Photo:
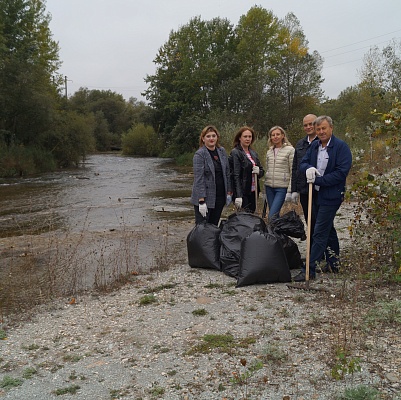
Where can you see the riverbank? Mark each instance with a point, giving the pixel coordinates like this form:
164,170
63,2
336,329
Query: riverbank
186,333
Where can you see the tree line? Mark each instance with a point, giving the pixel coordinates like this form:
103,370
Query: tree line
260,72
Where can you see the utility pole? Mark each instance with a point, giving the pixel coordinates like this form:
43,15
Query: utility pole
65,84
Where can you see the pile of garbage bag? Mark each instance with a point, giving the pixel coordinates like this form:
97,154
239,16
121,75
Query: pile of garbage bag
247,249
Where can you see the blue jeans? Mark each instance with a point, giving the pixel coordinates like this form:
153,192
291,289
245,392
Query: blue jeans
275,199
324,237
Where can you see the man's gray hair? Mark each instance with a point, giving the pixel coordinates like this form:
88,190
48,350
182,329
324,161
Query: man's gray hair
322,118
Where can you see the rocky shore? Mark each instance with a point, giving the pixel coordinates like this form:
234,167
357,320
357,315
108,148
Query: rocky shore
190,333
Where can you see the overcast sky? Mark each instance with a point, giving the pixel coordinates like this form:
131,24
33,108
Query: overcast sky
111,44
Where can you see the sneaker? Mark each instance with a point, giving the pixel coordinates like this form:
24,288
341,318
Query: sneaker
301,277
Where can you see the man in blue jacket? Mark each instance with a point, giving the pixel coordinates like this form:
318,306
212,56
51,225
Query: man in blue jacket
326,164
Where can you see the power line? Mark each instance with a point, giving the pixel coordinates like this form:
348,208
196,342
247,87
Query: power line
361,41
359,48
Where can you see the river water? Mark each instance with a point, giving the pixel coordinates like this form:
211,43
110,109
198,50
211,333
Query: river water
66,232
109,190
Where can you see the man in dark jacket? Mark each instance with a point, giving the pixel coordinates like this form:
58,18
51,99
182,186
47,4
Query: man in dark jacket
299,187
326,165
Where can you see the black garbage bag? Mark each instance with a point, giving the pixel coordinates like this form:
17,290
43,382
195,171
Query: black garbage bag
291,250
290,224
262,260
237,227
203,246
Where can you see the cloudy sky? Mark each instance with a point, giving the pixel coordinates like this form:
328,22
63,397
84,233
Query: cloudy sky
111,44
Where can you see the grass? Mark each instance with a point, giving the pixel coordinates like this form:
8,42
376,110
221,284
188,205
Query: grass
200,312
8,382
29,372
273,353
384,313
72,389
360,393
148,299
160,288
223,343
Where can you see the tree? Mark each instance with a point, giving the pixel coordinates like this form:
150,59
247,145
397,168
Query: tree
381,70
257,33
29,60
194,68
296,77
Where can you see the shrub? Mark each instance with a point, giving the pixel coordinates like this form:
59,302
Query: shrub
141,140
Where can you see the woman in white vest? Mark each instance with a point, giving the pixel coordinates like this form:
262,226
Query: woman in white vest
279,157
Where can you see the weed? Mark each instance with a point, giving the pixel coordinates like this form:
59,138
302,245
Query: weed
147,299
345,365
225,343
7,382
118,393
360,393
199,312
156,390
3,335
29,372
213,286
161,349
386,313
67,390
160,288
71,358
273,354
246,372
31,347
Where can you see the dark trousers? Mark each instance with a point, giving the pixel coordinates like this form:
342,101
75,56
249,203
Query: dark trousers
303,199
213,214
249,202
325,239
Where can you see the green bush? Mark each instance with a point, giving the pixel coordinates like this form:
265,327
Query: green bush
141,140
19,161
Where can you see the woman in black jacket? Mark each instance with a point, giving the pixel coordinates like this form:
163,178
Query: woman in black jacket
245,167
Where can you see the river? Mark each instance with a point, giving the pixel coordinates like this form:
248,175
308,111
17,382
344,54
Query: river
70,231
105,192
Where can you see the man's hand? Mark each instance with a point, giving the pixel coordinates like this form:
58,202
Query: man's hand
311,174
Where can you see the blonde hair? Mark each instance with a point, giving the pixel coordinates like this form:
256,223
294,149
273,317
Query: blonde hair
285,141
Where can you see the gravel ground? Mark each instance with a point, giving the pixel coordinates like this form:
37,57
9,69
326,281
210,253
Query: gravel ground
157,337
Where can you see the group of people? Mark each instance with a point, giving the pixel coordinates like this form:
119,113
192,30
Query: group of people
319,159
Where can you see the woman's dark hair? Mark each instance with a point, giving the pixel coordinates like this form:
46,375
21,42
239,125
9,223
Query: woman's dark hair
240,132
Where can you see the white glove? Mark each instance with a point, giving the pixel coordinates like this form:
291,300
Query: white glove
229,199
238,202
203,209
255,170
311,174
295,197
288,197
